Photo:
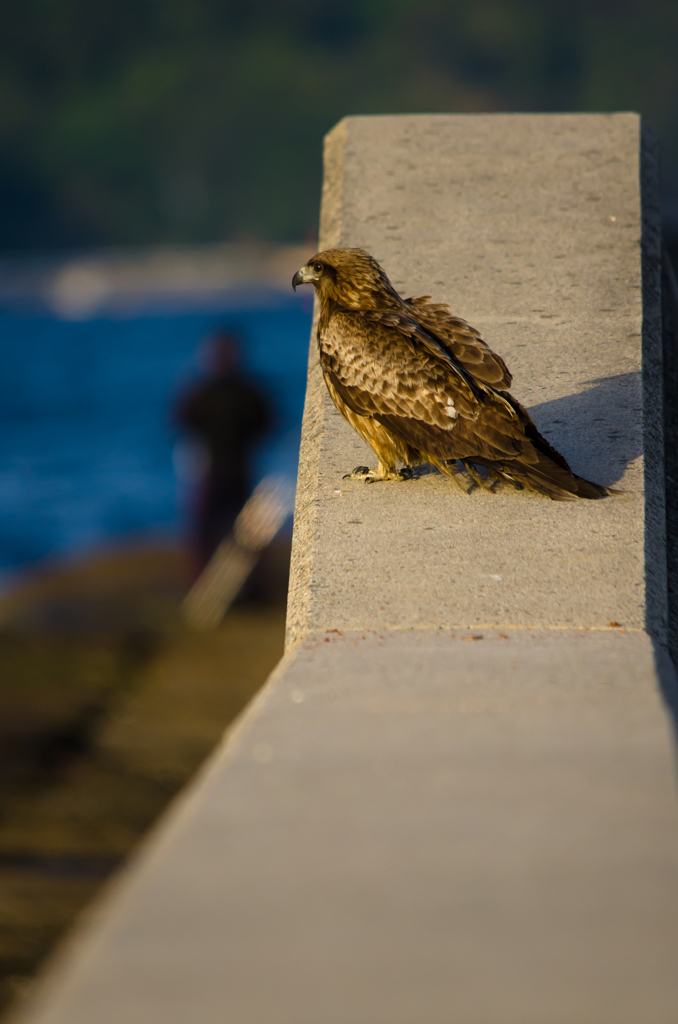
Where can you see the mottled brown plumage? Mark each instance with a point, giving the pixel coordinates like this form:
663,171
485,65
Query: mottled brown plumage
420,385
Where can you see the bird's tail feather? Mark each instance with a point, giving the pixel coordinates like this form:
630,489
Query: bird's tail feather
551,480
542,468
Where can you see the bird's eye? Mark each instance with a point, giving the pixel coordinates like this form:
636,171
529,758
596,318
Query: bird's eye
318,267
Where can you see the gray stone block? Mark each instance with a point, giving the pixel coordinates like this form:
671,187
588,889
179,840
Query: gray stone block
530,227
422,827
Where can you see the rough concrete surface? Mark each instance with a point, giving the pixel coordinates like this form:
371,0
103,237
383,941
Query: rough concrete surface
454,801
403,831
529,226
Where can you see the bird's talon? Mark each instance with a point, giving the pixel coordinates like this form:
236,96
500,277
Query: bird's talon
360,473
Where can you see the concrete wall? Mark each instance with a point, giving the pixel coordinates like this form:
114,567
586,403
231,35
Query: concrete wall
455,798
529,226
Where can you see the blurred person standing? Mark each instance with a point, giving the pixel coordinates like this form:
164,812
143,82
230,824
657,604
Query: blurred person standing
226,413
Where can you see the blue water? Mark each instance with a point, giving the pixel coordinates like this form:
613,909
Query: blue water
86,438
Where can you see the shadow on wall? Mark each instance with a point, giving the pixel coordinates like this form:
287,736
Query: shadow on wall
599,431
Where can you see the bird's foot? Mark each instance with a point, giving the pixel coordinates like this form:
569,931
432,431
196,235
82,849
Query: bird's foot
360,473
374,476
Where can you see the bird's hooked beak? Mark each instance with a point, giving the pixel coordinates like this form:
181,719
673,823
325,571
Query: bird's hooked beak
306,275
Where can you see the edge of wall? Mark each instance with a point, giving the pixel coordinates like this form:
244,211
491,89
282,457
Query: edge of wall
314,419
656,569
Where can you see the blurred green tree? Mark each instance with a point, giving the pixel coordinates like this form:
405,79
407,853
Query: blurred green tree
135,121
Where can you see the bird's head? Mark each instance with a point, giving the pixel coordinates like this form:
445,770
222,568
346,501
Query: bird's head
349,277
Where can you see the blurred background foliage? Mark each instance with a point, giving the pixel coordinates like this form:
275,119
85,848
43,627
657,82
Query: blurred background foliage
146,121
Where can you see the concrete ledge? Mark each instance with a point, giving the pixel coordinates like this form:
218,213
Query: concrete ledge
411,829
455,798
530,226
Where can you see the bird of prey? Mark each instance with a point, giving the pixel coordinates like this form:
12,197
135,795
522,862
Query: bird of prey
421,386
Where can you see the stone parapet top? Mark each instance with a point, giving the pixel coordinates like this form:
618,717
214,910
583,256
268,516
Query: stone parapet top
530,227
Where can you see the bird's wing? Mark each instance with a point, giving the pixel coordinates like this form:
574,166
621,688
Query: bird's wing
383,364
464,341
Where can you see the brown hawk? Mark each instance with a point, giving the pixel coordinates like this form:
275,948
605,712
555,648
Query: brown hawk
421,386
